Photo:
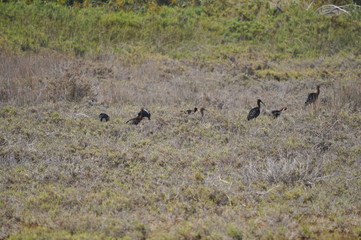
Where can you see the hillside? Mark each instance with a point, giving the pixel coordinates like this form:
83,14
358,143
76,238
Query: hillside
66,175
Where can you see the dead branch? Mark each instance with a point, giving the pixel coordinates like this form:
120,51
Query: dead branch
333,9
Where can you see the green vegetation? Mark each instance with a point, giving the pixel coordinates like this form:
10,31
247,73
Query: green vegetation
66,175
192,32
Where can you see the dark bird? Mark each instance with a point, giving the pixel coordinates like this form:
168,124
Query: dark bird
312,97
255,111
189,111
104,116
277,113
135,121
142,114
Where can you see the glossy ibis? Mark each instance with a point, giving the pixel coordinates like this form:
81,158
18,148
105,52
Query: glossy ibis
135,121
142,114
189,111
312,97
104,116
277,113
254,113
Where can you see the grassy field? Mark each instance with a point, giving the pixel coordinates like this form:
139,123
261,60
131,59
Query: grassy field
66,175
203,33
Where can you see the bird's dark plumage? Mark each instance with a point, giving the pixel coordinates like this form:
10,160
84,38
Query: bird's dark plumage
254,113
134,121
277,113
189,111
142,114
104,116
312,97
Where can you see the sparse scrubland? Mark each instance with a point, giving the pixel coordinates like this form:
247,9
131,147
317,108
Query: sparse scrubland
66,175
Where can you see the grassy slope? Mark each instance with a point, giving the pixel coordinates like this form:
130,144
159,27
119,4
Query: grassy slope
201,33
65,175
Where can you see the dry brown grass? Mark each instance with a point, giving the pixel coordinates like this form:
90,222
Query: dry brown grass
66,175
34,79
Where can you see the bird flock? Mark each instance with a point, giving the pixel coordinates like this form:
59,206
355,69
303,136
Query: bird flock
253,113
